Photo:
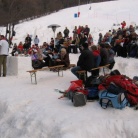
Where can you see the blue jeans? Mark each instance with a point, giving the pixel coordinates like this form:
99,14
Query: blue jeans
75,69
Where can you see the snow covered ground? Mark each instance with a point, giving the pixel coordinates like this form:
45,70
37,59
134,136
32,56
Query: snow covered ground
34,111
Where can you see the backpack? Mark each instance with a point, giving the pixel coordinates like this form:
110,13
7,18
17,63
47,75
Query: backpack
92,81
78,99
76,93
92,93
113,95
118,101
91,85
124,82
115,72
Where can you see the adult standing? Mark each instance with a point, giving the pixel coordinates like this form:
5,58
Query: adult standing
66,32
4,49
86,30
28,40
85,61
36,40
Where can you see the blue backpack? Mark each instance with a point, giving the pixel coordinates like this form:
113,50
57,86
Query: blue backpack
92,93
113,96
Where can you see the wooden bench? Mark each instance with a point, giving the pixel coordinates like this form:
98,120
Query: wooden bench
58,68
84,72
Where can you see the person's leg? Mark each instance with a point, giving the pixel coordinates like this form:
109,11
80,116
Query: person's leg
75,69
95,73
4,66
111,65
1,61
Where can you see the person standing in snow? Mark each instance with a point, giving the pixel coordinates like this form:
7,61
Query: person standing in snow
28,40
123,24
66,32
4,49
36,40
86,30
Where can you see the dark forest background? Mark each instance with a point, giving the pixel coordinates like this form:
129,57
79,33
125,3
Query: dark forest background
13,11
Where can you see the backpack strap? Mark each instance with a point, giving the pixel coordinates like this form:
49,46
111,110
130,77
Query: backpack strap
104,103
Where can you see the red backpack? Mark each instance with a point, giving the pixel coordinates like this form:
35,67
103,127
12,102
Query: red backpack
125,83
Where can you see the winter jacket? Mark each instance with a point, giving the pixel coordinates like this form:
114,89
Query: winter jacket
97,58
86,60
36,40
4,47
65,60
104,56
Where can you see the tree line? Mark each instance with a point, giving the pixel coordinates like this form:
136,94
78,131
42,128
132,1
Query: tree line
13,11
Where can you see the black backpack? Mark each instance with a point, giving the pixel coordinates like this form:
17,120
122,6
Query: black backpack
115,72
92,81
91,85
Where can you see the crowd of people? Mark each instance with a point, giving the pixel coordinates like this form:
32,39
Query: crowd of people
121,42
124,40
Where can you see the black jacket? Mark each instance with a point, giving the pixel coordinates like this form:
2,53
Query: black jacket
104,57
86,60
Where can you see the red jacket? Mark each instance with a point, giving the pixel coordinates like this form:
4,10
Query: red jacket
96,53
123,24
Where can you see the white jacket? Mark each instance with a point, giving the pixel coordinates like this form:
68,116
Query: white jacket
4,47
36,40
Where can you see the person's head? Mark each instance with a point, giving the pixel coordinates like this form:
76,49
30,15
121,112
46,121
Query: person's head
94,47
86,26
1,37
120,36
44,44
107,45
63,51
20,43
100,34
15,45
84,46
101,45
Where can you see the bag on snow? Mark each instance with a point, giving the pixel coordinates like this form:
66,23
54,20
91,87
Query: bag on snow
125,83
77,93
118,101
79,99
91,85
92,82
92,93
